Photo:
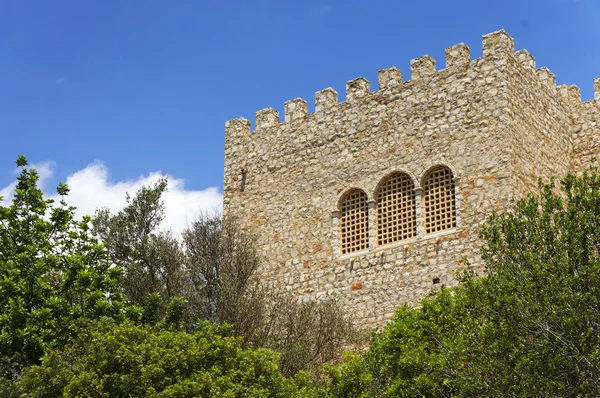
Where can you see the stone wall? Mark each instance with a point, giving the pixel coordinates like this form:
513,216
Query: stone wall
496,121
586,130
539,124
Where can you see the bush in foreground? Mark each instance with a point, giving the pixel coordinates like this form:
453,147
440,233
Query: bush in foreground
531,327
123,360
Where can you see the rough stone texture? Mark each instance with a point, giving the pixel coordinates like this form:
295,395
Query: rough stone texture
585,128
266,118
496,121
422,67
389,77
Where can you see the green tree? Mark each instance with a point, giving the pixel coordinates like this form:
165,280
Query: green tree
152,261
543,294
212,275
307,334
54,275
132,360
423,352
531,327
222,261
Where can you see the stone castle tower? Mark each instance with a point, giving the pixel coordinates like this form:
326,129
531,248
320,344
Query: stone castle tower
379,199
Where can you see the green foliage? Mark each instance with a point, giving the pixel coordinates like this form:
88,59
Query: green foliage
221,259
214,271
421,353
307,334
529,328
54,275
176,313
152,262
543,294
348,380
113,360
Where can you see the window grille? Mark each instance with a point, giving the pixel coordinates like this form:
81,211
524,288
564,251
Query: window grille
396,210
439,200
354,222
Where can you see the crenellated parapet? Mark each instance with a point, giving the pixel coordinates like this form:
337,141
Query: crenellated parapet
498,47
458,56
266,118
526,59
325,99
547,78
357,89
295,109
389,78
498,43
422,67
571,94
237,128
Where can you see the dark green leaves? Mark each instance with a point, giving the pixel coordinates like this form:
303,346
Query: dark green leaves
529,328
130,360
54,276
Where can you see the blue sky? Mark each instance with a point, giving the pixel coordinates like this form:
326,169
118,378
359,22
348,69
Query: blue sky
127,89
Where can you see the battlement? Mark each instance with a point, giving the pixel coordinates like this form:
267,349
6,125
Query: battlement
497,47
376,198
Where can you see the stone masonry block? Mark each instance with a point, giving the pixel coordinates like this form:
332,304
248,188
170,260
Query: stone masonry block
237,127
357,88
266,118
295,109
569,93
525,59
597,89
498,42
325,99
390,77
458,56
422,67
574,93
547,77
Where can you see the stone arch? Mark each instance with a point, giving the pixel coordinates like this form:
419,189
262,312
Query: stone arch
395,208
353,221
439,199
340,196
439,164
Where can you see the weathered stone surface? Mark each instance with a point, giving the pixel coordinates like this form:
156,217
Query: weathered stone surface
390,77
266,118
325,99
357,89
458,56
496,121
422,67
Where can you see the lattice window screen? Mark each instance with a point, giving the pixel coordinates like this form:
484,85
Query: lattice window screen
440,200
354,222
396,210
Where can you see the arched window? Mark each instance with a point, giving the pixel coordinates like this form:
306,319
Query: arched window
354,222
439,200
396,210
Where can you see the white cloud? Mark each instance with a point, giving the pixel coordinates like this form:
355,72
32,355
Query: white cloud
6,194
44,170
91,188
